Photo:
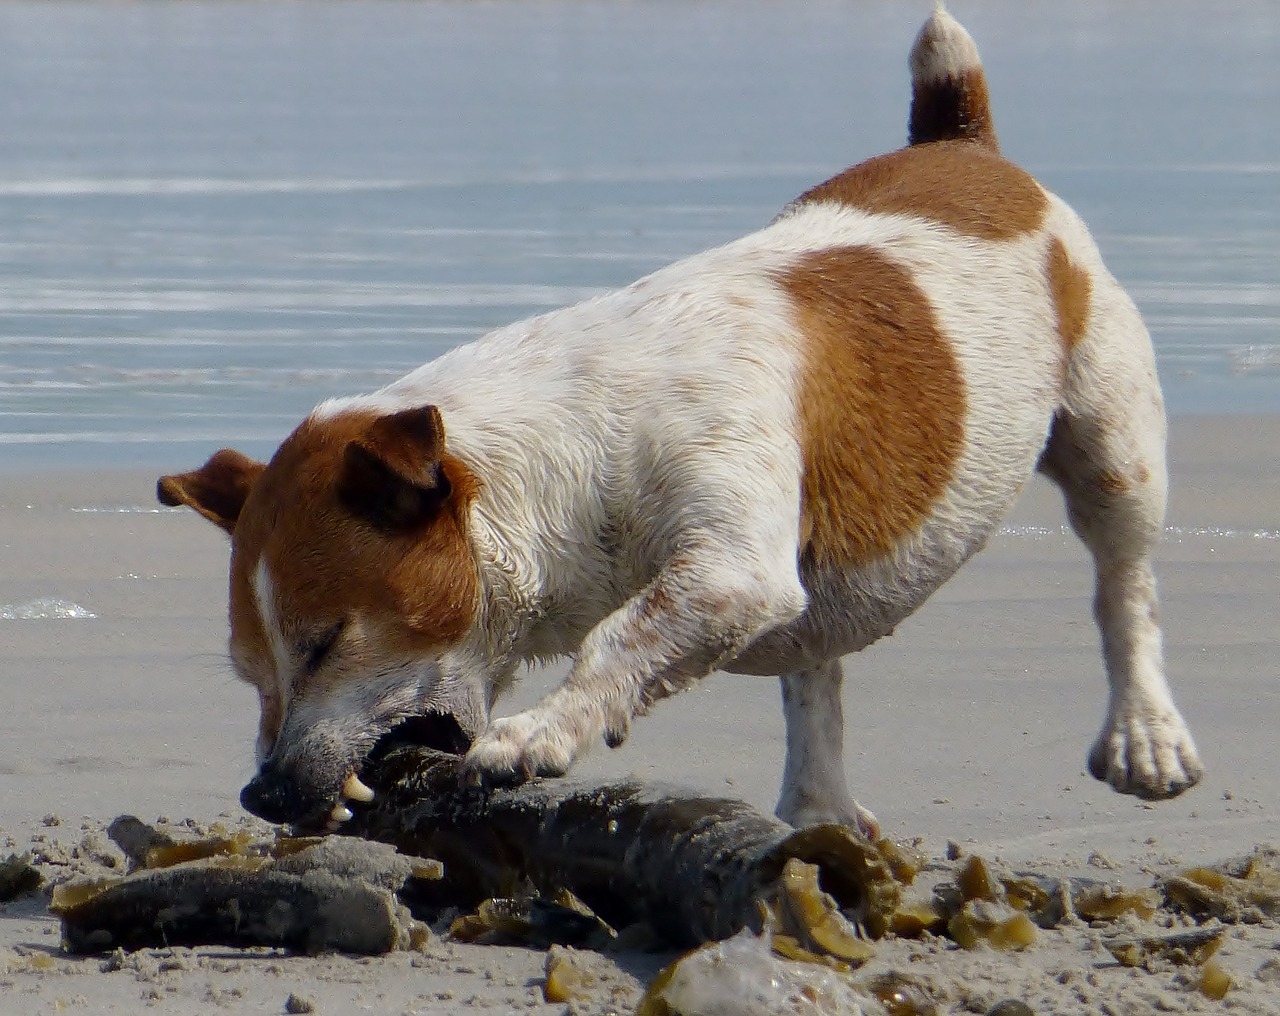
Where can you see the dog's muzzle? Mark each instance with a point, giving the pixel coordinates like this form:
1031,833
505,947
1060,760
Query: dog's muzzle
277,797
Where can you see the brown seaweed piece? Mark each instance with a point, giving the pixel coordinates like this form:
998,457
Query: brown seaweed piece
1104,902
566,977
814,917
993,924
915,917
1044,899
1214,982
1246,890
531,920
17,877
1181,948
137,839
905,860
976,881
690,867
790,948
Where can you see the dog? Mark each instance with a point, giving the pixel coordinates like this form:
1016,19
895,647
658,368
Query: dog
758,459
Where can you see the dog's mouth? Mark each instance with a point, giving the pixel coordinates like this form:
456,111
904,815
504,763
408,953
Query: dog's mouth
437,730
280,797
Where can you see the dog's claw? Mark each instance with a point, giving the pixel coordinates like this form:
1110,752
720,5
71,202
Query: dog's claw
1153,759
616,737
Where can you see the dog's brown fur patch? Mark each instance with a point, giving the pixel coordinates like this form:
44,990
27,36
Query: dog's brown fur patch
1071,290
963,186
881,404
417,588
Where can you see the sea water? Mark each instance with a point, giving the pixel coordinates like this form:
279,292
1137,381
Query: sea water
214,215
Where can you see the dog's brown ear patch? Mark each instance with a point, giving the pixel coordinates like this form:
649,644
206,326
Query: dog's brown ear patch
217,490
392,476
881,404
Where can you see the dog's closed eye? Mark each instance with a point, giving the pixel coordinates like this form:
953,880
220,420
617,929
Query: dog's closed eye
314,651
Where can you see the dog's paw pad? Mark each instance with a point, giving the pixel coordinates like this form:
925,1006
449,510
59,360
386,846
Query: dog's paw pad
518,748
1154,759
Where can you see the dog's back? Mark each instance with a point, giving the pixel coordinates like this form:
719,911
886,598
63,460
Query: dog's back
870,379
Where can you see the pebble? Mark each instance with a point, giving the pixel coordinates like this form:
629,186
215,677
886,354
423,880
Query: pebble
1011,1007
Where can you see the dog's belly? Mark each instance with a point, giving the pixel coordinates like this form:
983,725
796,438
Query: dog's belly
851,608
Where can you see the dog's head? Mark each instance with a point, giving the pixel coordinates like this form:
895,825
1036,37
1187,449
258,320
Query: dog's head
352,579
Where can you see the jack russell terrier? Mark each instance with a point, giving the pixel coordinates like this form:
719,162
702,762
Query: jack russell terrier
758,459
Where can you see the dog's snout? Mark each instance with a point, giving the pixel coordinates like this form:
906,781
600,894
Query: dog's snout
271,796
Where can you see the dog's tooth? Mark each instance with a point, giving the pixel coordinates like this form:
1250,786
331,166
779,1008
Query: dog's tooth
356,790
340,813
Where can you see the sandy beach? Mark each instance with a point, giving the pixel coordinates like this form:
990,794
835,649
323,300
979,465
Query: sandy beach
969,726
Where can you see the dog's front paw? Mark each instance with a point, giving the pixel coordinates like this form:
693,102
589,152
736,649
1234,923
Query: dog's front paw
1151,757
517,748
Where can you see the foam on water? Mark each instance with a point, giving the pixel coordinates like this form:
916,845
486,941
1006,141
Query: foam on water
44,608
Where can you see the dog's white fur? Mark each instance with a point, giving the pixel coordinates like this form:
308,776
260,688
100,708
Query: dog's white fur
639,465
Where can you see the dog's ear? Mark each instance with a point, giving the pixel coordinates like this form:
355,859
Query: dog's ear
217,490
392,476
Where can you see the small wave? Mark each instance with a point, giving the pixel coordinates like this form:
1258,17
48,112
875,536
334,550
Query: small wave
93,375
1254,359
213,186
126,509
304,297
1176,532
130,186
44,608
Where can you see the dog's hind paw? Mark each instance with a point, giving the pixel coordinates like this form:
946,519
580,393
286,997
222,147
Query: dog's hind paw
517,748
803,809
1153,758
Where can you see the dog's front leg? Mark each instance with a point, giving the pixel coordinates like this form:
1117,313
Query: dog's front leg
677,630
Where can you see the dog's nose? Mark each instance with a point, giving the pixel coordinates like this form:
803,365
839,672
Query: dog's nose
271,796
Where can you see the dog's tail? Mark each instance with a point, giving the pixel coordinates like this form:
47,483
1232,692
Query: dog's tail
949,100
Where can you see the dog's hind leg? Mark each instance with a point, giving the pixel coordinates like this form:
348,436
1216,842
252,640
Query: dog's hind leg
814,790
1106,450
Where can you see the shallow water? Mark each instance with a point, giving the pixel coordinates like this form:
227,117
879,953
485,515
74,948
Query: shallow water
213,216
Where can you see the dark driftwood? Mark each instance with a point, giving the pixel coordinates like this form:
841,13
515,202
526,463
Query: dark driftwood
692,867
